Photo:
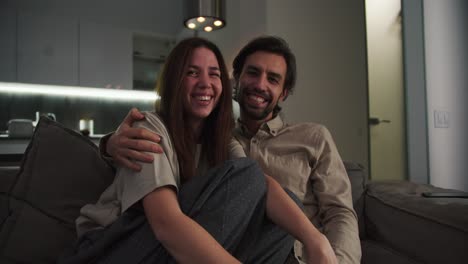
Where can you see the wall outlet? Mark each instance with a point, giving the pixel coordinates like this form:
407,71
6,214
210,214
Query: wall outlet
441,119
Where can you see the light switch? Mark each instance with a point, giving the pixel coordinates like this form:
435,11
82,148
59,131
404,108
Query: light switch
441,119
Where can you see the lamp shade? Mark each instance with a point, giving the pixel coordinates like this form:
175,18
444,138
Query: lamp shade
206,15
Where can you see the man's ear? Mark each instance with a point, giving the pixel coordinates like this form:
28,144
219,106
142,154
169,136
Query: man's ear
235,89
284,95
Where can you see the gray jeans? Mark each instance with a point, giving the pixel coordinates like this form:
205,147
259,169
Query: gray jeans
228,201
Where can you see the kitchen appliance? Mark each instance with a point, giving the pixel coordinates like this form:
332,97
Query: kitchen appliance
20,128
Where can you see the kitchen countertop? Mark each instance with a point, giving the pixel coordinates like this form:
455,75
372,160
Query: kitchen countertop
15,146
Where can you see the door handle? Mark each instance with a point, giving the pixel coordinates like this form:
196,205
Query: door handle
375,121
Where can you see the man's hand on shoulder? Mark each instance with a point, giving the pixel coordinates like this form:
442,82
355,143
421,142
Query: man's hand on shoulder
128,144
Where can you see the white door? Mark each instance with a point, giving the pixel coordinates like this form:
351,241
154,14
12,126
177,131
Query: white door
386,92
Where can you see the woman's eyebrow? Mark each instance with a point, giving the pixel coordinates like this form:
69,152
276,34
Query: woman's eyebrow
215,68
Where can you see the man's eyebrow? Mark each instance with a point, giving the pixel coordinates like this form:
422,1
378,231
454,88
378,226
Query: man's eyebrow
252,67
269,73
275,75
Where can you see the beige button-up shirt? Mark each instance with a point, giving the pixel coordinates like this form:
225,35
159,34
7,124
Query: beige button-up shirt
303,158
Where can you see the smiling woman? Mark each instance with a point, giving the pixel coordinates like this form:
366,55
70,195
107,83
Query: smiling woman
162,205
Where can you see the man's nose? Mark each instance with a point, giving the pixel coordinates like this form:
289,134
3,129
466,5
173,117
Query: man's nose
261,82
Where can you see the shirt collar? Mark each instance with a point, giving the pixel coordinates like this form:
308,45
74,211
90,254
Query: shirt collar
272,126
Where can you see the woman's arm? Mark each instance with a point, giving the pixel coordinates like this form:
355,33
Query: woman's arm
284,212
182,237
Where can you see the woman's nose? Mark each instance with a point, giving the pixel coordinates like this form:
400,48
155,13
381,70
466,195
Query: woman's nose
204,80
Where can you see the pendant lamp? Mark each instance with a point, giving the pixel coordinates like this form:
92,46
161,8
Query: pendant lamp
206,15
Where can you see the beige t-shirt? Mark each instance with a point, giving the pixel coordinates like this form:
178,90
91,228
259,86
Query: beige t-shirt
129,186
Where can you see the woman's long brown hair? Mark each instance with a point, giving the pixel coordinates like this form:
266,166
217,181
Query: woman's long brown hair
216,132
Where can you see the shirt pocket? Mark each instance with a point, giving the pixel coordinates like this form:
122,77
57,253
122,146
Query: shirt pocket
291,170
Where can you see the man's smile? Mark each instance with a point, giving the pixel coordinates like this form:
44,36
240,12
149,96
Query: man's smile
257,99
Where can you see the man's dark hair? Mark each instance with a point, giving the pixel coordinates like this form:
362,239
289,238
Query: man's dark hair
270,44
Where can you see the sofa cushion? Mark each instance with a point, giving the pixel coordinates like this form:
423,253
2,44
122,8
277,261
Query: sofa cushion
376,253
61,171
7,177
429,230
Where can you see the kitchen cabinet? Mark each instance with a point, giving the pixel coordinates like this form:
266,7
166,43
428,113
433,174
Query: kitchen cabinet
8,45
105,56
149,55
47,49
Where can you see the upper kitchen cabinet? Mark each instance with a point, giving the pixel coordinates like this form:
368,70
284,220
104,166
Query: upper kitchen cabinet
47,49
149,55
105,54
7,45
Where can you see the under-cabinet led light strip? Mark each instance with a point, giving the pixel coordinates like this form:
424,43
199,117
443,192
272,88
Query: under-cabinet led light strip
75,91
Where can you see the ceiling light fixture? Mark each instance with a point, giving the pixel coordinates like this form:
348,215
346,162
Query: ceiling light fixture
207,15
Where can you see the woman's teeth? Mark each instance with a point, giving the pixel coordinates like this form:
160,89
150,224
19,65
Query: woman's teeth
203,98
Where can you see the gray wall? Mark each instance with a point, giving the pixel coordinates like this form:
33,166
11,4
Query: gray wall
328,38
415,89
446,42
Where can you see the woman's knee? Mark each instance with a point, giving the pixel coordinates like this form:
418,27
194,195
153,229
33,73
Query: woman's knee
247,172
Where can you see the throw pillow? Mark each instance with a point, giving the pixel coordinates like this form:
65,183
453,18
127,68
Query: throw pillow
61,171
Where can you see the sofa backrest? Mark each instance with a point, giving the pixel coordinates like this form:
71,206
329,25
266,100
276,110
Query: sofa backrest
61,171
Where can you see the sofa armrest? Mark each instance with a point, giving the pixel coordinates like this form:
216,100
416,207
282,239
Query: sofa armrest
429,230
357,178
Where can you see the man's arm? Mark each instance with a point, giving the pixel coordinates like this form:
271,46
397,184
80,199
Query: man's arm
332,188
285,213
128,144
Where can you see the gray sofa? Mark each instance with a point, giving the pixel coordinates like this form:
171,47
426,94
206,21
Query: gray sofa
398,225
61,171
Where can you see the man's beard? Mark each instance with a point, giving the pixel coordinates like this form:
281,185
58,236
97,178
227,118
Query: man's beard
253,113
